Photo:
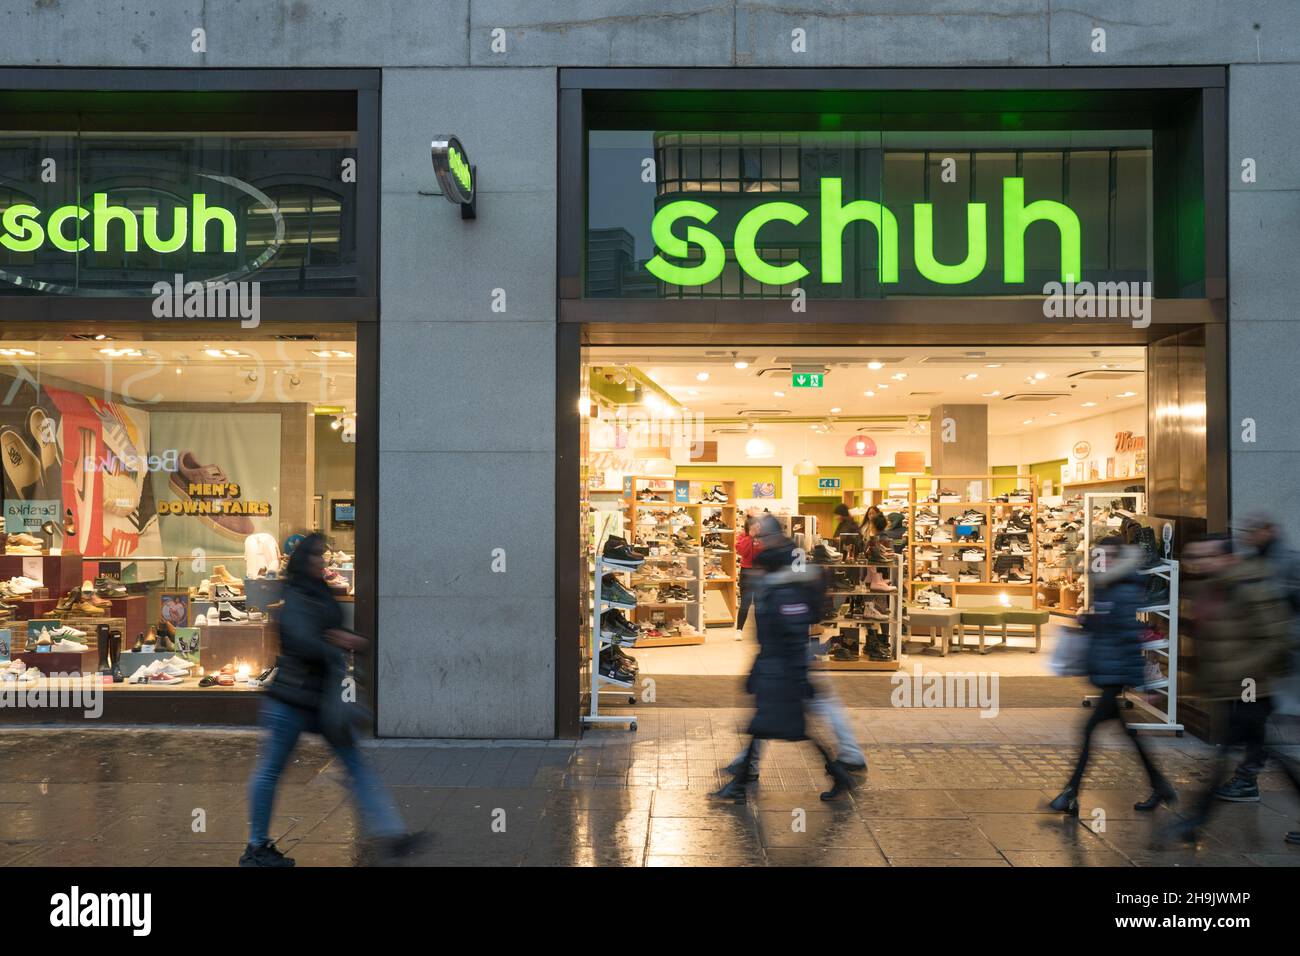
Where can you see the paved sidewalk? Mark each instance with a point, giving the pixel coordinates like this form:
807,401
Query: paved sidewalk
945,787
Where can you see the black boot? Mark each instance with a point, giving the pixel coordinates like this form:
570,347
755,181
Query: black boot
115,656
1067,801
842,780
105,652
1163,793
735,790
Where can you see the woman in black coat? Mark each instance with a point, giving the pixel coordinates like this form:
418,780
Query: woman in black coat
307,695
1115,661
788,603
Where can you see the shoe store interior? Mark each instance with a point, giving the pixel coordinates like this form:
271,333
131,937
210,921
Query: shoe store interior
949,495
152,491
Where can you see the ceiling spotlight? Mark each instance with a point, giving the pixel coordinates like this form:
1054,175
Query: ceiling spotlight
178,370
993,394
836,410
631,384
1052,414
869,394
251,377
969,376
882,386
1039,376
742,365
993,365
1126,394
1027,421
875,366
1088,405
336,424
898,376
778,394
702,377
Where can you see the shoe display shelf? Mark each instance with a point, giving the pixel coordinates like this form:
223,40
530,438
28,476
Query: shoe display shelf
1103,515
688,496
254,645
1060,523
691,611
892,572
972,493
600,684
30,607
1158,698
88,624
59,573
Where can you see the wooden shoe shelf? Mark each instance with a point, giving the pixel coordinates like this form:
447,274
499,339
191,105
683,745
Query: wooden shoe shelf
975,492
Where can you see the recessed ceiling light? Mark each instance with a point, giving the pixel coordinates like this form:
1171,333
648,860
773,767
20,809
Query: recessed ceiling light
1088,405
882,386
836,410
742,365
779,394
1040,375
869,394
993,394
1126,394
993,365
1052,414
898,376
874,366
1027,421
969,376
702,377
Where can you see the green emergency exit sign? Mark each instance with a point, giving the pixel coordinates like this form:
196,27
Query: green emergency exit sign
806,380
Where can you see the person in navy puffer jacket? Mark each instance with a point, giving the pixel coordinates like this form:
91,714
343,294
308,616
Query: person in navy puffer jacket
1115,661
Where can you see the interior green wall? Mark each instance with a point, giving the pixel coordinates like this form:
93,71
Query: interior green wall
743,475
850,476
1049,469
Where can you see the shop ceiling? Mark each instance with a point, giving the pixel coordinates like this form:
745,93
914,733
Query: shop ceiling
1043,387
313,371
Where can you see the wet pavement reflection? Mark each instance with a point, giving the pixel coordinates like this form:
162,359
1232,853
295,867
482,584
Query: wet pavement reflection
943,789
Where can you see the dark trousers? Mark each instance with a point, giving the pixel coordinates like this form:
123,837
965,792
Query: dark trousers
1107,708
748,583
749,760
1247,723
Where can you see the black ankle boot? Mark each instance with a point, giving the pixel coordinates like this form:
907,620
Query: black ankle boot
735,790
842,780
1163,793
1067,801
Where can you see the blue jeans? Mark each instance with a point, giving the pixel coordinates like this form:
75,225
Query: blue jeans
284,723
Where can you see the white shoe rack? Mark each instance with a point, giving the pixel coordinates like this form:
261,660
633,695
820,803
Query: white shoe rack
1164,651
601,684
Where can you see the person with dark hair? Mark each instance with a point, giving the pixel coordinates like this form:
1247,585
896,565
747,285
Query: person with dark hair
1114,662
748,573
1241,622
788,603
846,524
307,695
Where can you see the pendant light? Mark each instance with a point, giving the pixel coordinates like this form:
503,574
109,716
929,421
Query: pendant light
807,466
759,448
860,446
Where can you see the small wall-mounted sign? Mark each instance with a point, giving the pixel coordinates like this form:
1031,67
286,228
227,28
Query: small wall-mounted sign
457,177
831,483
1082,449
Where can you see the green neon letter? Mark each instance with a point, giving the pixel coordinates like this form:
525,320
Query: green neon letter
55,226
976,246
661,229
835,217
203,215
1017,217
747,234
179,215
22,232
104,214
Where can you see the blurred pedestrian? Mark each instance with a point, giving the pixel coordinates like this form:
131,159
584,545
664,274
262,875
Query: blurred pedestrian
787,605
1241,625
1115,661
306,695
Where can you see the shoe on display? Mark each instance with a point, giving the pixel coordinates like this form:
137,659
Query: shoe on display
65,632
941,536
140,676
948,497
927,516
929,554
69,647
941,577
24,540
826,553
971,516
618,552
228,612
30,674
874,613
972,554
968,577
614,593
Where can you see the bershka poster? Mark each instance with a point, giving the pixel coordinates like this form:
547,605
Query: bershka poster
226,481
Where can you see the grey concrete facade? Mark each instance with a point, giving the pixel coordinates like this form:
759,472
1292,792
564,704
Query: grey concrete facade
467,394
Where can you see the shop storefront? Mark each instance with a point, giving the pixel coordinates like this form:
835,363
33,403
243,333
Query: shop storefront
988,305
188,269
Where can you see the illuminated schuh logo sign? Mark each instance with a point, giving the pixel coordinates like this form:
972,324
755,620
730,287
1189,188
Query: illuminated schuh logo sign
456,175
836,216
74,228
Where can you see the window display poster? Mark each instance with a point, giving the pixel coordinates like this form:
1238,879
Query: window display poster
226,481
764,489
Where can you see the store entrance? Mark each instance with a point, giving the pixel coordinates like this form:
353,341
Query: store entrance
929,483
